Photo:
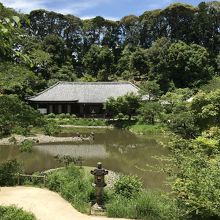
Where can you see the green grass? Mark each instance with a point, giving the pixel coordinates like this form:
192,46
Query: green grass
75,185
13,213
145,205
144,129
212,85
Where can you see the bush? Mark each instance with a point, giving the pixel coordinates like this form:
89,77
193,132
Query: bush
73,186
26,146
151,205
8,171
51,128
144,205
51,115
13,213
128,186
21,130
62,115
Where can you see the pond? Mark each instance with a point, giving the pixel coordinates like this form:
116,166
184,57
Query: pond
118,150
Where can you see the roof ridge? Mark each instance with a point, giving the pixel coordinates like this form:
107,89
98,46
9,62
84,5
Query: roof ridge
123,82
45,90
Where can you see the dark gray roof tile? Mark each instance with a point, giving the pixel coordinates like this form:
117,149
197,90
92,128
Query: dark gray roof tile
84,92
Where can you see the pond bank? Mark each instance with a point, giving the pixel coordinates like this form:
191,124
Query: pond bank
85,126
42,139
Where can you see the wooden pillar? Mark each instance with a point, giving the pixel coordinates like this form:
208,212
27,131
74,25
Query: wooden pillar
59,109
69,108
81,109
50,108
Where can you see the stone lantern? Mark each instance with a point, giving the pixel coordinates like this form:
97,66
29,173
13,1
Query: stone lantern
99,183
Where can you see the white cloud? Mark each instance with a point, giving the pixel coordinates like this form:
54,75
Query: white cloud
61,6
25,5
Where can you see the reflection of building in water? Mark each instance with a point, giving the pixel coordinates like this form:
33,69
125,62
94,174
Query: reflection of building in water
84,150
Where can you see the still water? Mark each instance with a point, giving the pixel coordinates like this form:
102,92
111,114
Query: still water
118,150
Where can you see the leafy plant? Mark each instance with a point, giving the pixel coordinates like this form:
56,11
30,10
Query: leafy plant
11,212
128,186
26,146
8,170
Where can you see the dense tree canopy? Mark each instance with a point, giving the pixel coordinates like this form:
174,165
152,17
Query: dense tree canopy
177,46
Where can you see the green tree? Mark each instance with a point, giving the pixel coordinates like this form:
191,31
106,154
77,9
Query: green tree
55,46
195,173
157,58
139,62
206,108
206,26
150,112
16,114
9,24
177,114
17,79
188,65
127,105
150,89
130,30
99,62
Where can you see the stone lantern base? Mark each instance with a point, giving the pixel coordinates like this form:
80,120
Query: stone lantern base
97,209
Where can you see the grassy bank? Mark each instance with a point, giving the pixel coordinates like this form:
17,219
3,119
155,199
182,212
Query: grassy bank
13,213
144,129
126,199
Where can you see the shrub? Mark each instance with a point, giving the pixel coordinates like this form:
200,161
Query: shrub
145,205
151,205
68,115
51,128
21,130
73,186
8,171
51,115
26,146
127,186
13,213
62,115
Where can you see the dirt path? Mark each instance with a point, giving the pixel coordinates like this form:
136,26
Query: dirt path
44,204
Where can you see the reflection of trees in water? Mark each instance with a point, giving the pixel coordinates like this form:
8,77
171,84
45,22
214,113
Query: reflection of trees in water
116,136
126,159
119,150
31,162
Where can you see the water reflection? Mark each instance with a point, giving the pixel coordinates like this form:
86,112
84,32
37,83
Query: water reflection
119,150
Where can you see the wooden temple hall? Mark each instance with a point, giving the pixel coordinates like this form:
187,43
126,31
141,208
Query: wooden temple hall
79,98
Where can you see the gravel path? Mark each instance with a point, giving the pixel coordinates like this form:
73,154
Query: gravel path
44,204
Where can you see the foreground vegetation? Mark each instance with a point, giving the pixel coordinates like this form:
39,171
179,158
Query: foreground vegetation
11,212
170,64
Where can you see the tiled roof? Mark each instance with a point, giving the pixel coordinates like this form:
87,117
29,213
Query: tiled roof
84,92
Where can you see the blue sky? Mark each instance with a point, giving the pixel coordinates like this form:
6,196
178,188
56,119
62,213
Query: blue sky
111,9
